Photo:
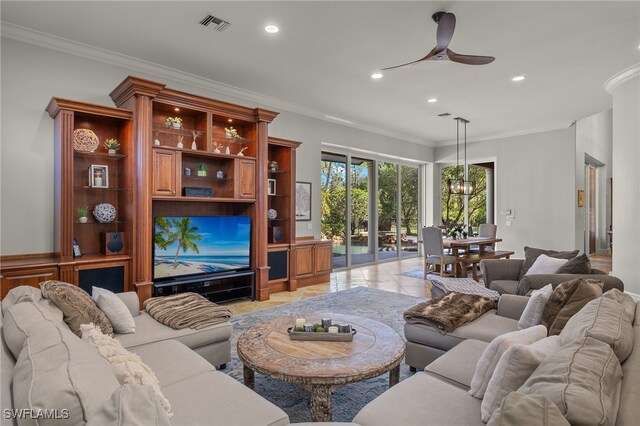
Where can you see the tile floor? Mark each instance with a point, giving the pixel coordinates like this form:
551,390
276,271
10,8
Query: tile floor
384,276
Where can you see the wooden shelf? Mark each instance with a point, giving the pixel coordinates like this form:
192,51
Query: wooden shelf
204,199
97,154
98,258
201,153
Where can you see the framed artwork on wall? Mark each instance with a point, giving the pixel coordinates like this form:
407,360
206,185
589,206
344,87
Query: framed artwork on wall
303,201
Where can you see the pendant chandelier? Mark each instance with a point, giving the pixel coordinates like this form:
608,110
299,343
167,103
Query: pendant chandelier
461,185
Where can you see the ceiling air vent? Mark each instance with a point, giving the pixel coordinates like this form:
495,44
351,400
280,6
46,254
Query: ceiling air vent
444,115
220,24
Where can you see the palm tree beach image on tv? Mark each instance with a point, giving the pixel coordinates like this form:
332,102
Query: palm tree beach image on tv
200,245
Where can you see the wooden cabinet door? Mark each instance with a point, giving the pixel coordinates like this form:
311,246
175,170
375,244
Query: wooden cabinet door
164,172
246,178
32,277
323,258
304,261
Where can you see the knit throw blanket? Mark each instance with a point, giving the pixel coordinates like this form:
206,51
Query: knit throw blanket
186,310
448,312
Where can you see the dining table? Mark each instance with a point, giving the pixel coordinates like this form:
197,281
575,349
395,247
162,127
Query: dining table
463,244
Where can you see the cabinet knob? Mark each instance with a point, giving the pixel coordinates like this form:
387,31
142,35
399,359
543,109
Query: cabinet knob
76,270
173,192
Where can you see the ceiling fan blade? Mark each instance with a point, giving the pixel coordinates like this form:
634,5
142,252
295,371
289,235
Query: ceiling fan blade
469,59
429,55
446,26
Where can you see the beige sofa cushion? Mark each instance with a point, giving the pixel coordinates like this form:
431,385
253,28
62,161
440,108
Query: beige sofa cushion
77,306
23,293
567,299
128,366
513,370
489,359
629,412
215,398
56,369
149,330
605,320
131,404
527,410
25,316
458,365
583,379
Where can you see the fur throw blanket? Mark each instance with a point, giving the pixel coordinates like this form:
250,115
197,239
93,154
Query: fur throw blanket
186,310
448,312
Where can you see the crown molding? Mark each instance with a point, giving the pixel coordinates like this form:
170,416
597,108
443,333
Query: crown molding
621,77
83,50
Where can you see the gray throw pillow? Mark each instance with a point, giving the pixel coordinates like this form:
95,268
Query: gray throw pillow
531,254
577,265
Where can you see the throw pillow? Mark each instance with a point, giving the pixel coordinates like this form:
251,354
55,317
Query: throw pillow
567,299
535,306
527,410
491,355
531,254
76,305
115,309
545,265
130,369
603,319
512,371
583,379
131,405
578,265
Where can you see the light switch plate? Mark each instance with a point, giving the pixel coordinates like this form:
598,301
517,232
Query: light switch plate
506,212
508,223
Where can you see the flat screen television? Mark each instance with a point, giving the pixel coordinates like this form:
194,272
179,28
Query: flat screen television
191,245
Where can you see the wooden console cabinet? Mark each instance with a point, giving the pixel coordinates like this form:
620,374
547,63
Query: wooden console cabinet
312,261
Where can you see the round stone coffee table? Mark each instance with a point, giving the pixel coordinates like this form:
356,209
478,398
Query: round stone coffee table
321,366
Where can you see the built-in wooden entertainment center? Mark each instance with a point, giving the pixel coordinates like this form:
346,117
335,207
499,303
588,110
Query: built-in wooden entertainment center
196,169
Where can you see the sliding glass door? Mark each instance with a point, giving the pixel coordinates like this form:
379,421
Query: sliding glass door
371,213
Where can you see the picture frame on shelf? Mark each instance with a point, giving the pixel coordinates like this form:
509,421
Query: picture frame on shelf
98,176
303,201
271,187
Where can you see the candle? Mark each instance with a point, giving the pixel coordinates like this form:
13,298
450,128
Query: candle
333,329
300,322
326,323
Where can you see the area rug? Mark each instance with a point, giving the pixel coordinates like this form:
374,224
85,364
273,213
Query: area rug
380,305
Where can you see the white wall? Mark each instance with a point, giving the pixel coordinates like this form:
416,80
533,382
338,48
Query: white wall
593,141
534,177
31,76
626,181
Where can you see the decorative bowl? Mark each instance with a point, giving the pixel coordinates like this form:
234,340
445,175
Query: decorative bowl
104,213
272,214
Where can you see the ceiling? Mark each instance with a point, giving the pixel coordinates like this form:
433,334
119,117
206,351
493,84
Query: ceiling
325,52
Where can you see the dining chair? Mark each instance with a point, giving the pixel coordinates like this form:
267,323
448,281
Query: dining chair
486,230
434,254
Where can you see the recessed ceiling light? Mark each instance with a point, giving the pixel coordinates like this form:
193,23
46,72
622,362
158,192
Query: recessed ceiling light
518,78
376,75
271,29
432,100
230,121
176,109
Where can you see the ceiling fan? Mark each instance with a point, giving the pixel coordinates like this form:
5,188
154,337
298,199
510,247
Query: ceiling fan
446,25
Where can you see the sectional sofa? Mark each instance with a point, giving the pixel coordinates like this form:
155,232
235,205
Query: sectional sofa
439,395
46,366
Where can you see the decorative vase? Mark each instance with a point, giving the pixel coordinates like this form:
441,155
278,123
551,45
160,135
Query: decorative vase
112,152
156,142
228,135
104,213
272,214
180,145
227,150
176,126
273,169
219,174
82,219
194,146
216,151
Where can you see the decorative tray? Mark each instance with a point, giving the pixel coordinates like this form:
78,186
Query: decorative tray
321,336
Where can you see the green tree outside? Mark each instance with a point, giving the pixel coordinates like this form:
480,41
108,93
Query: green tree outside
180,230
453,204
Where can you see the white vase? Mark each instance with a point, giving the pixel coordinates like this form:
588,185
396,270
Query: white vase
180,145
194,145
156,142
227,150
228,135
82,219
112,152
176,125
